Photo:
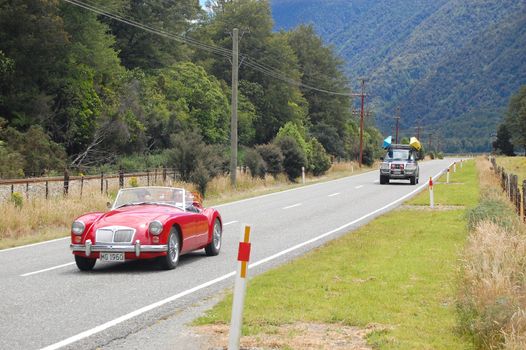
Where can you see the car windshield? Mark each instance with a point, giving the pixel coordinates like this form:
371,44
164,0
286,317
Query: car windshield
176,197
398,154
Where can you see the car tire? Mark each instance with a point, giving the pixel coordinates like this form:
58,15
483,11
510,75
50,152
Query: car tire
214,247
384,180
413,180
85,264
171,259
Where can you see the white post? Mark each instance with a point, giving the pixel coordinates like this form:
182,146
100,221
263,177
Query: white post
431,195
455,167
461,163
352,168
239,290
303,175
447,176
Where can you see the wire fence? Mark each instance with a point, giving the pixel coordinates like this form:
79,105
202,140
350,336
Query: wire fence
66,185
510,184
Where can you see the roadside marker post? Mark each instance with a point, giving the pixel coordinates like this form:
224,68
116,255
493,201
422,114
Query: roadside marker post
461,163
243,256
303,175
447,176
455,167
431,195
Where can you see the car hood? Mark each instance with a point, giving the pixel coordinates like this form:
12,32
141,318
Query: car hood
136,216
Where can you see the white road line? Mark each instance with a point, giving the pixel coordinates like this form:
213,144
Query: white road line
229,223
291,206
334,194
48,269
34,244
144,309
357,187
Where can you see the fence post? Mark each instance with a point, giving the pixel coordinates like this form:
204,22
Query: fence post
155,176
147,177
12,188
27,190
121,178
81,184
47,189
66,182
106,187
524,200
101,182
164,175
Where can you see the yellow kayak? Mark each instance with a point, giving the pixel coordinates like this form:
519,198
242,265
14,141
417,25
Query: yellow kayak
413,142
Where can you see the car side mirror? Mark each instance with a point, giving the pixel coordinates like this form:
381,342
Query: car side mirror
381,158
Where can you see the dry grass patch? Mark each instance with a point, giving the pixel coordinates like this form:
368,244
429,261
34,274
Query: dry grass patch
298,336
492,297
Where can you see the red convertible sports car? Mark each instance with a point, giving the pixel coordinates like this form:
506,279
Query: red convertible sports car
146,223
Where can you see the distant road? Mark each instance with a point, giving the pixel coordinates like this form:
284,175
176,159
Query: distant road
47,302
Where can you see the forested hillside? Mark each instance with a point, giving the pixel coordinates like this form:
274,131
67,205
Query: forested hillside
87,84
452,64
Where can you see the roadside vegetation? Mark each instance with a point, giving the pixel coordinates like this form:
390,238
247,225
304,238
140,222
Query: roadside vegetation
492,296
394,279
514,165
37,219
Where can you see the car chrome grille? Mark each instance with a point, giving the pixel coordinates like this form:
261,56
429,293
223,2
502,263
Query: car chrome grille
116,234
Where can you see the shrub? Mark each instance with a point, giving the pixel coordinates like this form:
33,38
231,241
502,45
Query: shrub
319,161
293,157
493,210
17,199
133,182
272,157
255,163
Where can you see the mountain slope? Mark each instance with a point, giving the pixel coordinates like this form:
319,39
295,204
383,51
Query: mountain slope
437,60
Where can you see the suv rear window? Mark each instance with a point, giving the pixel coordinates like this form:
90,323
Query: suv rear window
398,154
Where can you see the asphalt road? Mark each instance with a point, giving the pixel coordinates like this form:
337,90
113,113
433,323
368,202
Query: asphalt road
47,303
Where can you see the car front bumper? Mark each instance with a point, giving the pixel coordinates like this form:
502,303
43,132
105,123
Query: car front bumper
136,248
406,174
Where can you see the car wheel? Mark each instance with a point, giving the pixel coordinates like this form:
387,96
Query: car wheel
84,264
170,260
384,180
213,247
413,180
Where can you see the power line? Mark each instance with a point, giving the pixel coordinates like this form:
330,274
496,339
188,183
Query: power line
248,61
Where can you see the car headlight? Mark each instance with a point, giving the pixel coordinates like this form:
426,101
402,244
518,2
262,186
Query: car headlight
78,227
155,228
410,166
384,166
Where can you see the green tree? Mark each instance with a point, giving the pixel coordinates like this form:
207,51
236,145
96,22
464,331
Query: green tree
293,157
141,49
516,118
319,161
205,107
502,144
321,67
272,157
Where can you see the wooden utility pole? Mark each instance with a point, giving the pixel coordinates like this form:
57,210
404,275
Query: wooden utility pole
397,117
362,115
233,121
430,140
418,127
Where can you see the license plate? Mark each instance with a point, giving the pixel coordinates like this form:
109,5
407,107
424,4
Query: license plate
111,256
397,172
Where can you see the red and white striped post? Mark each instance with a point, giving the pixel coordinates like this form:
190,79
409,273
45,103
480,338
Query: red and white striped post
447,175
431,195
243,256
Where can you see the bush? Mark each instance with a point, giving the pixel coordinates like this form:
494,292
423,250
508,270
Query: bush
195,161
493,210
255,163
319,161
440,155
293,157
133,182
16,199
272,157
431,155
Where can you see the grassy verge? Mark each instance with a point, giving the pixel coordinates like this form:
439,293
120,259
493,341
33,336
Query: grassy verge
514,165
398,271
37,219
492,297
